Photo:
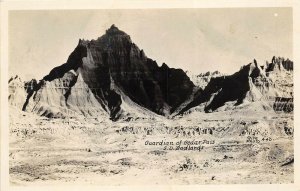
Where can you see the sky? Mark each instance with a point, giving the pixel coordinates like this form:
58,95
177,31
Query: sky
197,40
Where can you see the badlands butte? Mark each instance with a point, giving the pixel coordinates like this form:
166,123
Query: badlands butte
91,119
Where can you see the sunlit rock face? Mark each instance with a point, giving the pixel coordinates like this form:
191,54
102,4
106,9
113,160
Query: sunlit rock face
112,77
108,68
271,83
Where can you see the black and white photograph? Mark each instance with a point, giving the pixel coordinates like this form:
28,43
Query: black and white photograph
160,96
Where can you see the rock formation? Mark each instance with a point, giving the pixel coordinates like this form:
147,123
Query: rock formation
110,68
201,80
112,77
272,83
16,92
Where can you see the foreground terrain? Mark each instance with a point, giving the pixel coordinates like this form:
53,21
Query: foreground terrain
225,147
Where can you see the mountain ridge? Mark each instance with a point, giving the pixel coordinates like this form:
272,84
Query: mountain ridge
111,72
114,59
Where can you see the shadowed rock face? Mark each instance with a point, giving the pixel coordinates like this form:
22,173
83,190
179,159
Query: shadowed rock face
74,62
113,66
223,89
113,60
101,74
252,83
279,63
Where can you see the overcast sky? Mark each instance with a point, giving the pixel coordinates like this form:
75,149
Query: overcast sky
198,40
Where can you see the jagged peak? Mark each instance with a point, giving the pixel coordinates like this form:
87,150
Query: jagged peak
279,63
113,27
110,32
113,33
164,65
14,78
216,72
250,66
113,30
252,70
277,59
83,42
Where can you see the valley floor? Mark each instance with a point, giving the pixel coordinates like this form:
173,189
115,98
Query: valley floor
228,148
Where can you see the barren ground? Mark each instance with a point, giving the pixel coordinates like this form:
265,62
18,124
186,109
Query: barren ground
235,149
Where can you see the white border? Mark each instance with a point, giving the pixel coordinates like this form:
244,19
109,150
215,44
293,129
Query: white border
143,4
